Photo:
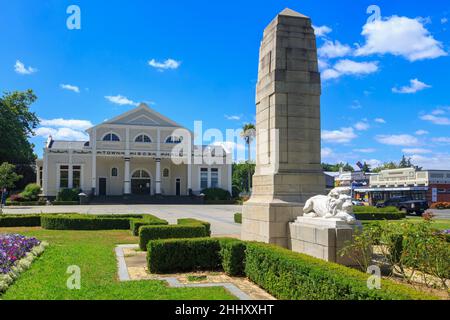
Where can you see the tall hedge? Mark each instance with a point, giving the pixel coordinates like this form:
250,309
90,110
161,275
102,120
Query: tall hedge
232,254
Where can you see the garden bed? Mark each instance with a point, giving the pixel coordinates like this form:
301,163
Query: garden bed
17,252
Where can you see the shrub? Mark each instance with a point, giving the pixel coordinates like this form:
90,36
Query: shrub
147,233
146,220
65,203
31,192
84,222
180,255
232,254
369,209
26,203
289,275
68,195
235,191
216,194
26,220
380,216
238,217
440,205
190,221
16,198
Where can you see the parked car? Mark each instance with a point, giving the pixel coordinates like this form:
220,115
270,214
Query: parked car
358,203
405,204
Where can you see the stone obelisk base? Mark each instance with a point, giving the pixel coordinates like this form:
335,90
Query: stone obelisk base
269,221
322,238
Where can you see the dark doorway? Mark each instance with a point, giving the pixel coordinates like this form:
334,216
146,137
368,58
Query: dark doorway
140,186
178,187
102,186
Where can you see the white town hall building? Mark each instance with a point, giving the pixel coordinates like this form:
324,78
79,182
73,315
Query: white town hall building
139,152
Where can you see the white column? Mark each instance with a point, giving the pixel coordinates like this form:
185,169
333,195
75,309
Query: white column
94,162
70,169
127,181
158,176
230,178
45,173
189,177
38,182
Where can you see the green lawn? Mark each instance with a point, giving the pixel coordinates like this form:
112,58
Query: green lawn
439,224
93,252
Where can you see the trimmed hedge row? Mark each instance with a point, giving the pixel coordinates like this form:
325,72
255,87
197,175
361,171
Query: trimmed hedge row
179,255
289,275
371,209
25,203
97,222
281,272
380,216
238,217
84,222
191,221
136,223
25,220
147,233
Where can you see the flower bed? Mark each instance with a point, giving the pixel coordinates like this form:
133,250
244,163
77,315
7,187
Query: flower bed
17,252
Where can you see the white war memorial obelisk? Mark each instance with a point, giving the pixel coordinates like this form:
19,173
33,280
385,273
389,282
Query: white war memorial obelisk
288,160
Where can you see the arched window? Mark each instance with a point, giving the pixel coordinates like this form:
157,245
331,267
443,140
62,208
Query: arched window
111,137
139,174
174,139
114,172
143,138
166,172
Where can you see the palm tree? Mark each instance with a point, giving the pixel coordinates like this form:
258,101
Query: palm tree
248,134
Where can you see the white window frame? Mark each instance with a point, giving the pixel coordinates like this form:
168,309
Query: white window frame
109,141
143,134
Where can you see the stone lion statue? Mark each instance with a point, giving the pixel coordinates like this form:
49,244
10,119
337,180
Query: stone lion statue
337,204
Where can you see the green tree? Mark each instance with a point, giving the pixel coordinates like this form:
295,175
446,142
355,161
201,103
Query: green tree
16,126
336,167
8,177
241,173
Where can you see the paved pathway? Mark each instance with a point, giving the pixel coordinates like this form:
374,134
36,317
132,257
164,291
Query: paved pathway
221,217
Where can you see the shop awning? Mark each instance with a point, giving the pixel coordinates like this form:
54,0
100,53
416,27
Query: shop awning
391,189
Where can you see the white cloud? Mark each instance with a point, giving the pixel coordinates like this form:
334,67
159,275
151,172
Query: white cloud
356,104
329,74
20,68
444,20
349,67
326,152
367,150
443,121
70,87
439,161
344,135
441,140
414,86
121,100
322,30
373,163
62,134
362,126
334,49
233,117
400,36
380,120
67,123
421,132
398,140
165,65
323,64
416,151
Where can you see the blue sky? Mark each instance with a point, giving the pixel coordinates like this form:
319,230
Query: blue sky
385,83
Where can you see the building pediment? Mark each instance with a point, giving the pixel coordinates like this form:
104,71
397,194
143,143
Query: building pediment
142,116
